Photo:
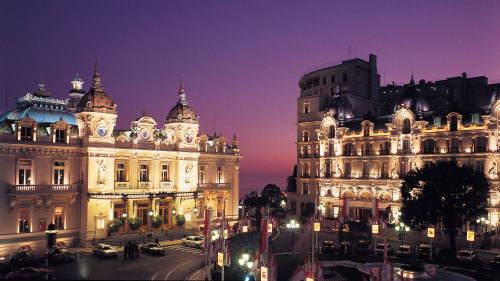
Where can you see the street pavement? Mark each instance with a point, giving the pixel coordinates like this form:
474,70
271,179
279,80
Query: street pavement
178,263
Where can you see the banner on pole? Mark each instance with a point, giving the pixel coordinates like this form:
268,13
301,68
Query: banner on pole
220,259
470,235
317,226
430,232
269,228
375,228
263,273
245,229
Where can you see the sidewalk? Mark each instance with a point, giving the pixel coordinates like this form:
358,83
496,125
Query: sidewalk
120,249
197,275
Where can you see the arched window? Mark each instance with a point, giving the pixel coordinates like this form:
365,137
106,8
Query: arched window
385,197
406,126
331,133
348,194
329,192
453,123
366,130
365,196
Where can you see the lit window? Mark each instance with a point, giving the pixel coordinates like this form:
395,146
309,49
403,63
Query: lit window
475,118
305,190
59,217
306,107
120,172
100,223
437,121
26,133
60,136
406,126
219,174
144,173
58,172
202,174
165,177
24,172
24,220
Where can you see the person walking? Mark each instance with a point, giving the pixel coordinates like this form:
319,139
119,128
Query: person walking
130,250
136,248
125,251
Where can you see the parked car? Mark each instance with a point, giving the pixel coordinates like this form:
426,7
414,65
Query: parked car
467,256
153,249
23,257
424,251
363,248
495,263
31,273
193,241
404,251
105,251
60,255
379,250
327,247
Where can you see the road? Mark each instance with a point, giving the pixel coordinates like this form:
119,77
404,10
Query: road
283,243
177,264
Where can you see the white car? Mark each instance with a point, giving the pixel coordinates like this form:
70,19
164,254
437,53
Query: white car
193,241
105,251
467,255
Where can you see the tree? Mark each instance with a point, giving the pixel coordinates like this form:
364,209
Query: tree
444,192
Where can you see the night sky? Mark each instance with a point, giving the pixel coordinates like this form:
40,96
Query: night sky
241,60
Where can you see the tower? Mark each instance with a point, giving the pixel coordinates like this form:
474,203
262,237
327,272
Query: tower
75,94
96,113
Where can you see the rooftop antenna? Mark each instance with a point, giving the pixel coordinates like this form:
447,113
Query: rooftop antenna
215,134
349,51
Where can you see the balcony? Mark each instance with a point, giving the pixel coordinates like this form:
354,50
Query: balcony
122,185
145,184
168,185
429,151
214,186
480,149
40,189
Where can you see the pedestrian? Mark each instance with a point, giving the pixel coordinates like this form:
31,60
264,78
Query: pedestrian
157,241
136,246
130,250
125,250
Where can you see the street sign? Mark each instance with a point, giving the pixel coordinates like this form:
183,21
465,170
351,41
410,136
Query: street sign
375,228
269,228
263,273
430,232
220,259
245,229
225,233
317,226
470,235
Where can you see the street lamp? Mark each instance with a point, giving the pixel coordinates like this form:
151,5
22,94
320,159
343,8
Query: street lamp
402,228
173,211
292,225
195,210
244,261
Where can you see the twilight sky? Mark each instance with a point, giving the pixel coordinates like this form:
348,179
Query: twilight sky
241,60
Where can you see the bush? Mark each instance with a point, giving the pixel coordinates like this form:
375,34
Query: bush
156,221
180,220
114,224
134,223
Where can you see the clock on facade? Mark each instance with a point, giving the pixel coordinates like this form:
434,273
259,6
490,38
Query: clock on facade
102,130
171,136
144,134
188,137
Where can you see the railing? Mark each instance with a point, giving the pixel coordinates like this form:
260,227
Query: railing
385,152
145,184
212,185
42,188
120,185
480,149
429,151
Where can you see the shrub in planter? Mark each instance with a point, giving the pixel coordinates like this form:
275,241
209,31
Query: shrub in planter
114,224
180,220
156,221
134,223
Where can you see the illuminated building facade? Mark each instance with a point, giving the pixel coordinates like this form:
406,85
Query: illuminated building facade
341,154
63,162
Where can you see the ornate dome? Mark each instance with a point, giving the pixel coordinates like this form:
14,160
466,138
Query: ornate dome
413,99
339,109
181,112
96,100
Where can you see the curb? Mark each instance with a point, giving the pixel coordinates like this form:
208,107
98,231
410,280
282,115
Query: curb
120,249
196,275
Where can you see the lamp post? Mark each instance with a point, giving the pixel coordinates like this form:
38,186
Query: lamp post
124,216
245,262
402,228
292,225
150,213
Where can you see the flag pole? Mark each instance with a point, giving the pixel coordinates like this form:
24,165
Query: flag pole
223,240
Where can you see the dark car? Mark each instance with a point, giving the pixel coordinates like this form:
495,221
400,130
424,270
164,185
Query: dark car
327,247
23,258
404,251
424,251
31,273
379,250
495,263
153,249
363,248
60,255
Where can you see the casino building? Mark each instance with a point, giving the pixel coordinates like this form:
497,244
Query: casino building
341,153
63,162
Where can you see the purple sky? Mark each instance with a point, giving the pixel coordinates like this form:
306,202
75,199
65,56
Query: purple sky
240,59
